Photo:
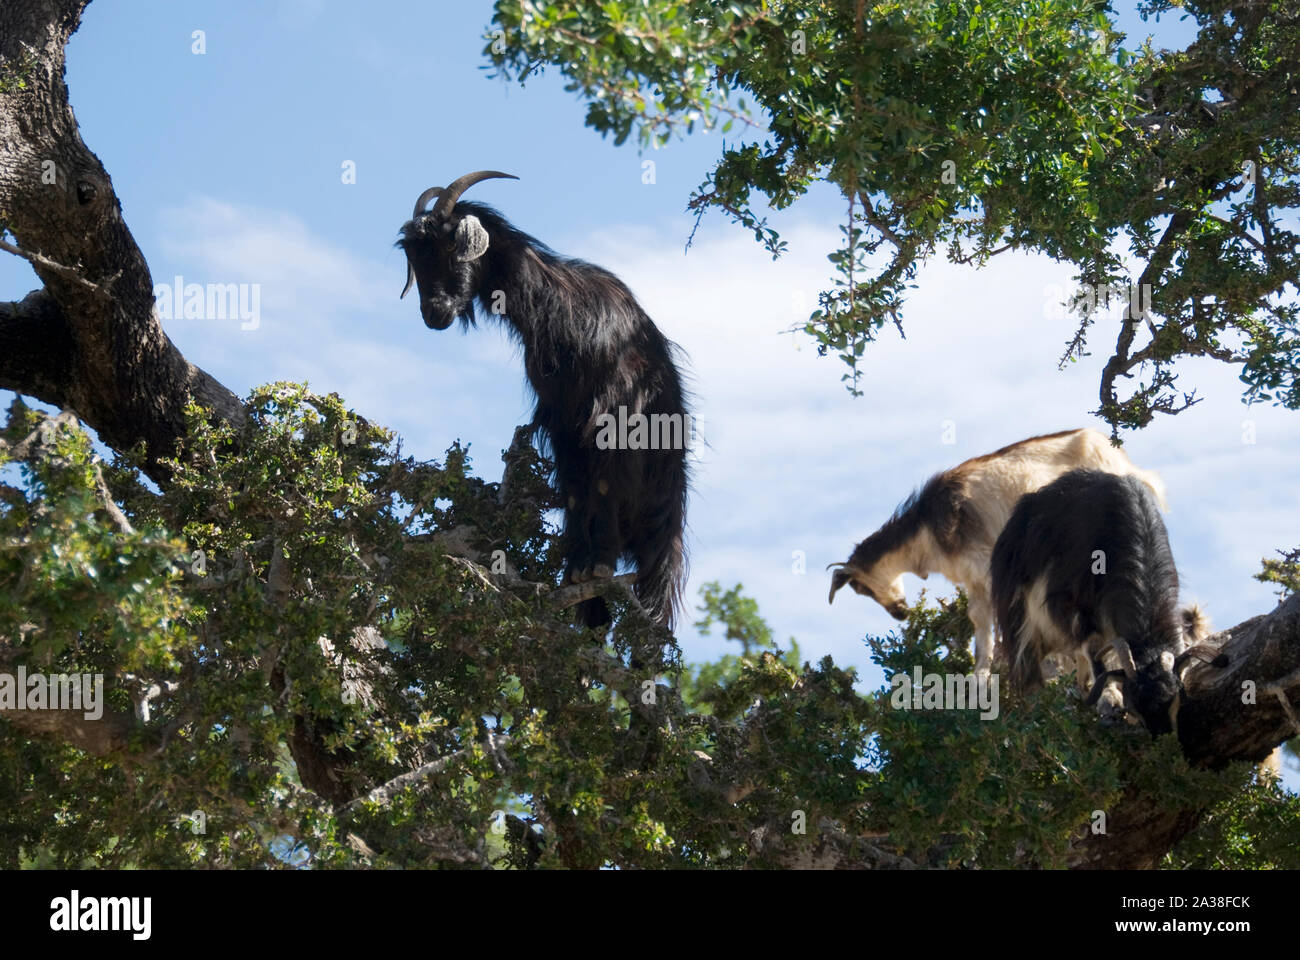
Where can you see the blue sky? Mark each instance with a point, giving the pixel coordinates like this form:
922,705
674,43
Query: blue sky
228,166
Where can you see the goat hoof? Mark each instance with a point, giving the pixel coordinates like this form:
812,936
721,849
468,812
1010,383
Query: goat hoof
602,571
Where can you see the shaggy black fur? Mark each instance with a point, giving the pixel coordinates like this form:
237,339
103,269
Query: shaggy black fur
939,505
589,349
1053,534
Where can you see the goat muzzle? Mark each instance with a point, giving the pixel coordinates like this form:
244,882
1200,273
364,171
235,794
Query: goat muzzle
431,317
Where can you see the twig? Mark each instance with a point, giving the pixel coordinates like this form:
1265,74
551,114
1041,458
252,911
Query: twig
1278,689
54,266
114,511
385,792
575,593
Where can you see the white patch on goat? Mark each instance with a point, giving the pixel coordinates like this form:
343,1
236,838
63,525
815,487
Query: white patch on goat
996,484
1039,634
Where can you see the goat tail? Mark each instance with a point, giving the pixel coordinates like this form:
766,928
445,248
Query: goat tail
660,579
1196,623
661,556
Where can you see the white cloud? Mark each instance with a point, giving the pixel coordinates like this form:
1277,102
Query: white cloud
231,243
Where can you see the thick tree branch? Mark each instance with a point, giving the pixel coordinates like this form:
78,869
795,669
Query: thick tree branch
384,793
36,348
1237,712
1214,724
104,356
108,734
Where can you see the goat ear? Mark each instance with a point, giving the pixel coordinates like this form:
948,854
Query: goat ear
471,239
838,579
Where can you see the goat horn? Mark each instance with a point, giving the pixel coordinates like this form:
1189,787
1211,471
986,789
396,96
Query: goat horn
424,198
1205,653
410,279
460,185
1125,653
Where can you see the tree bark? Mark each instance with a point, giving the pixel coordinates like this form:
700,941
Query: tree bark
1239,712
91,340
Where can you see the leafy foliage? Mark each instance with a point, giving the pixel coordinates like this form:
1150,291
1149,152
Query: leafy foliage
339,680
978,127
1285,572
1257,829
703,684
953,788
14,76
349,657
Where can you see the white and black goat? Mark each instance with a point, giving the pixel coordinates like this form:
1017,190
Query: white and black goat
591,354
950,525
1083,570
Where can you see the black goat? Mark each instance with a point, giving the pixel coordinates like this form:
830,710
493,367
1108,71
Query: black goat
1084,565
596,363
